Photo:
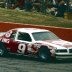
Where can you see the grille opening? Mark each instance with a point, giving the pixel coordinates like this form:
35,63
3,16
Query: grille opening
70,50
58,51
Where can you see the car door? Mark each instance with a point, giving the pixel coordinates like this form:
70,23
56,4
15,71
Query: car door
25,42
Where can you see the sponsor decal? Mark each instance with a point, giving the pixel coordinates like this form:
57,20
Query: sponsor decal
8,33
5,40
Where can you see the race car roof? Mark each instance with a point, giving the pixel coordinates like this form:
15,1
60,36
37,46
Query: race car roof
30,30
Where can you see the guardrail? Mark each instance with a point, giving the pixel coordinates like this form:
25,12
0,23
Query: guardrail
63,33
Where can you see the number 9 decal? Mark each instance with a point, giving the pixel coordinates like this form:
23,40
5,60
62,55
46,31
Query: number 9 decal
21,48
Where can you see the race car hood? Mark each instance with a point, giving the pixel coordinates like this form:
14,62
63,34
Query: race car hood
57,43
61,43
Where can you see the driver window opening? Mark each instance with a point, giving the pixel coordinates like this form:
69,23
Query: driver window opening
24,37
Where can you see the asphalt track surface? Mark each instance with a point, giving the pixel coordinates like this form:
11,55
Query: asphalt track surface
28,64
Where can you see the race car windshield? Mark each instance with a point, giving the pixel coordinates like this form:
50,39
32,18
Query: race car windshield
41,36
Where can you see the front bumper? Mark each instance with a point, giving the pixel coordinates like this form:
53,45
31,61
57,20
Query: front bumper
63,56
64,53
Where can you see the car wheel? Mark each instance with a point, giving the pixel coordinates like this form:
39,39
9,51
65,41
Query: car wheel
3,50
44,54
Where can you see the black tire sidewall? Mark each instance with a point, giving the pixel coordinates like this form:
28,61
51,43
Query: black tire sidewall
2,47
46,52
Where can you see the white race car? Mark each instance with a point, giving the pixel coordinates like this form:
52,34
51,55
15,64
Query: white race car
39,43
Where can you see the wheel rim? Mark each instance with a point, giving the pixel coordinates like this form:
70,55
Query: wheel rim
43,56
1,52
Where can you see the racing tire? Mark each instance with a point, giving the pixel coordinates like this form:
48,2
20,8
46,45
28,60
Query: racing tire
3,50
44,54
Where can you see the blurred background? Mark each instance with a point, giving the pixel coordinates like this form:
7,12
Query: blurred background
58,8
